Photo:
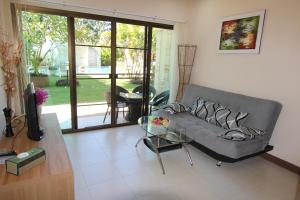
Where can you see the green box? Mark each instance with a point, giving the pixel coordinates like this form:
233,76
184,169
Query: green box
17,166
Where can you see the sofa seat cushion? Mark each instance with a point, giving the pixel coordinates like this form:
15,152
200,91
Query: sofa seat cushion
207,134
175,107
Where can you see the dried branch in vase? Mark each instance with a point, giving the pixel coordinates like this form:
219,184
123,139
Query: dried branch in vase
10,58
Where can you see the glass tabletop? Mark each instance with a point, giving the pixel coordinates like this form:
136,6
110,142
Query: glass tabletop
131,95
163,131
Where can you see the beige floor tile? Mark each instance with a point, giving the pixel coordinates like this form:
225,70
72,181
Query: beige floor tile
99,172
112,190
79,182
82,194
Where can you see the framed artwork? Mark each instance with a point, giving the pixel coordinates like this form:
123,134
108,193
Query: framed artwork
241,33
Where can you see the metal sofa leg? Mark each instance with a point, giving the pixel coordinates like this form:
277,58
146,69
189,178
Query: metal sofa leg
219,163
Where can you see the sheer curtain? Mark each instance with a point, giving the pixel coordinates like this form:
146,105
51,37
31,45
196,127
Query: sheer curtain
174,72
22,76
165,69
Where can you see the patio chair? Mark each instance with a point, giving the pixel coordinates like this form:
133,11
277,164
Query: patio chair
139,89
121,102
159,100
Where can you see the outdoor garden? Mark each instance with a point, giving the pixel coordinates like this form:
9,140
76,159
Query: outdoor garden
46,42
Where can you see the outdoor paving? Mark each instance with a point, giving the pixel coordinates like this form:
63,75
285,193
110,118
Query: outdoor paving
91,115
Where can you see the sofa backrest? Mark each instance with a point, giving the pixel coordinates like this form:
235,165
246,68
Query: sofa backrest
263,113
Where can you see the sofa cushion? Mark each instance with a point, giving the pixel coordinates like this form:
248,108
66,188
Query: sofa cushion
228,119
236,134
241,133
204,109
233,134
175,107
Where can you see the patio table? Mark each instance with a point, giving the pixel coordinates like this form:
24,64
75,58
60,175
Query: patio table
134,102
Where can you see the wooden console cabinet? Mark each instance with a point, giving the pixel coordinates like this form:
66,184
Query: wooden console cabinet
51,180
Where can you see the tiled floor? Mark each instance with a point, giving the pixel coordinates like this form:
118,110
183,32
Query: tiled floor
107,166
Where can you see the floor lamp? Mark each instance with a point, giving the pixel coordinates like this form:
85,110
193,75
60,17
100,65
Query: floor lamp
186,57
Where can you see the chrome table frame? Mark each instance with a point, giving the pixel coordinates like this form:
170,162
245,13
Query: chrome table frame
156,147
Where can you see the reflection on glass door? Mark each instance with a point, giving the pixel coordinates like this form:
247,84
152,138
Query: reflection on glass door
46,45
93,69
130,54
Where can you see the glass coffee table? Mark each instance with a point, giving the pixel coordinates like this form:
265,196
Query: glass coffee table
160,138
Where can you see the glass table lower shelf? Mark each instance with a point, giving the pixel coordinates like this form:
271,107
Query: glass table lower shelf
160,139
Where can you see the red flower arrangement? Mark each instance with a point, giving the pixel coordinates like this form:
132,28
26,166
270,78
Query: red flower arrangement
41,96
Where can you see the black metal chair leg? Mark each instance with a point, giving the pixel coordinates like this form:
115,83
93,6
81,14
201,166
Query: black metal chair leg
105,114
123,112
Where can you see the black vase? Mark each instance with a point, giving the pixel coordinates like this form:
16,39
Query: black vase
8,130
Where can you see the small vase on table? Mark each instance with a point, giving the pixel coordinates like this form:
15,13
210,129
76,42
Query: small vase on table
8,129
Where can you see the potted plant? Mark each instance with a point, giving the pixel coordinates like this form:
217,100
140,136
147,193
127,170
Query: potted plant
39,79
10,58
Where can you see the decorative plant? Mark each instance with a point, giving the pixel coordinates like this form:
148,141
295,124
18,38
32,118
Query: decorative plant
10,58
41,96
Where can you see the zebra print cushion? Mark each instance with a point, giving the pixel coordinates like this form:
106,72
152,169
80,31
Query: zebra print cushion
197,105
252,131
174,108
242,133
204,109
228,119
233,134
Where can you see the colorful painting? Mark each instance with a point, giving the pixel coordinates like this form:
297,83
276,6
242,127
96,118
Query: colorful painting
241,34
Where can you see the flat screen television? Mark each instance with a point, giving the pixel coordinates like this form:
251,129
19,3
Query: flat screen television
34,132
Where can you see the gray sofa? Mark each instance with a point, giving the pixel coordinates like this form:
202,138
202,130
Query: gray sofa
263,115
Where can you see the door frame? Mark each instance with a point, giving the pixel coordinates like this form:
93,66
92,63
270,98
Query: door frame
72,57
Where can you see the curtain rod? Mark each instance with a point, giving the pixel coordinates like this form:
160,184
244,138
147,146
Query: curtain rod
110,11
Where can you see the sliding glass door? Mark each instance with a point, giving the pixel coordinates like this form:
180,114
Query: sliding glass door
93,69
130,64
99,71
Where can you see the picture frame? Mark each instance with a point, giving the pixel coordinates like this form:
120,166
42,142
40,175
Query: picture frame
241,33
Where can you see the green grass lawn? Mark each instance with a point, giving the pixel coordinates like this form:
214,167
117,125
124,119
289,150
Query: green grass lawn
88,90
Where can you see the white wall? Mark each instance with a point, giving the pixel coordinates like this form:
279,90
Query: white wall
272,74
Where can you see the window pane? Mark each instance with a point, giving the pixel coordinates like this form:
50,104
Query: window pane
46,46
92,102
92,32
130,36
93,60
130,63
